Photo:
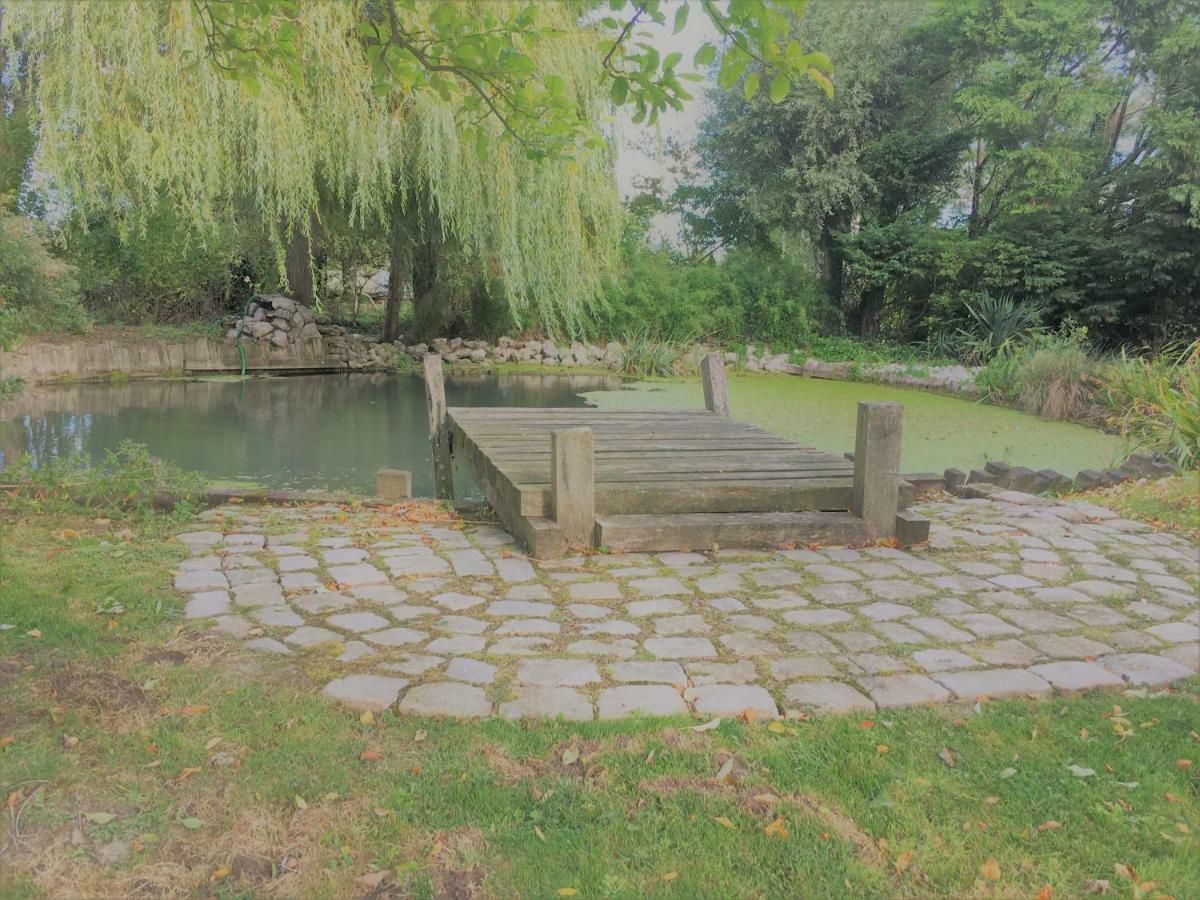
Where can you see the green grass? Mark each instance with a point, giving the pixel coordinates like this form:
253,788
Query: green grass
1172,503
175,731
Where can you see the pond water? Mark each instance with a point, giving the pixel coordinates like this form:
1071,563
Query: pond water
939,431
301,431
335,431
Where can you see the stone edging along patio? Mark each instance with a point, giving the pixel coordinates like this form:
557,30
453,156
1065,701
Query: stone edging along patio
1013,595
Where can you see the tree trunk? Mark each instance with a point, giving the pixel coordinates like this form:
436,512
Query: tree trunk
866,319
829,260
973,222
424,280
391,317
298,267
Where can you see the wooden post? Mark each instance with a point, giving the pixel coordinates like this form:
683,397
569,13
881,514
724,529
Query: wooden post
439,435
716,395
875,495
572,483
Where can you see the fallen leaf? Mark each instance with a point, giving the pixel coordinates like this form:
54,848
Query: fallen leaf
212,743
367,718
188,773
725,770
883,749
1049,825
904,860
1007,773
777,727
722,820
776,829
1095,886
1080,771
707,726
567,892
570,755
220,873
100,818
372,880
946,755
1183,764
192,823
990,870
299,801
541,837
1046,893
33,633
991,801
194,710
6,740
670,876
370,755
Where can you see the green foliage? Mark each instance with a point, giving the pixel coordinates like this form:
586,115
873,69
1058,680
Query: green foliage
843,348
1047,149
166,273
11,389
1156,402
1049,375
646,355
747,296
128,478
480,58
38,292
995,323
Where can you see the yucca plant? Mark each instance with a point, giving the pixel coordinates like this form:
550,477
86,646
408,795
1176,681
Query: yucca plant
996,322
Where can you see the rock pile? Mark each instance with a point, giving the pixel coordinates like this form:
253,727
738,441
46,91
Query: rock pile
277,319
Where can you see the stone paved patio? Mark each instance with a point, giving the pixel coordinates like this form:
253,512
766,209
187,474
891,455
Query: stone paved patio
1014,595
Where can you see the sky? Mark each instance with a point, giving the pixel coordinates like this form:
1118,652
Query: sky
639,147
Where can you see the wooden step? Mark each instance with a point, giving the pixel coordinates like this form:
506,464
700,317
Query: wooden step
701,531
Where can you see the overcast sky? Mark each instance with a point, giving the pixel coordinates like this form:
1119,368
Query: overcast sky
639,146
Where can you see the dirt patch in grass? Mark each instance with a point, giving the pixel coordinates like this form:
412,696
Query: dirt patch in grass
109,694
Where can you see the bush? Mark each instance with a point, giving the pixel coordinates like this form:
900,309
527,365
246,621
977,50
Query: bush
644,355
128,478
168,275
1052,376
37,291
749,296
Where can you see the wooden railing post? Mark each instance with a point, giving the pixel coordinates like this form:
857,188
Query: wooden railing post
572,483
875,495
439,434
716,394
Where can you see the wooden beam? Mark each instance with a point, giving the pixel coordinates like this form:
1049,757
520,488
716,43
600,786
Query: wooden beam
716,393
572,484
439,433
875,495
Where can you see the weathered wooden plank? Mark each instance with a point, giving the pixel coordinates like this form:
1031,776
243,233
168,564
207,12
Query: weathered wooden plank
702,531
745,496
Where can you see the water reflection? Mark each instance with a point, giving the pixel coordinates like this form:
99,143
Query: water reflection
329,431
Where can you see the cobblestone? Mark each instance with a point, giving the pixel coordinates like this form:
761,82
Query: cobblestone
989,607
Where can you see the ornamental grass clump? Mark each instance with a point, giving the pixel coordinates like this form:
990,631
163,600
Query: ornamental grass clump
1156,401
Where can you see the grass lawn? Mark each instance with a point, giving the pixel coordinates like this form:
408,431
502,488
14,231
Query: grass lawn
139,755
1172,503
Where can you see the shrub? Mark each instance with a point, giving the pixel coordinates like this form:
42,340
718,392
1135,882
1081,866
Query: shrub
128,478
37,291
996,322
1052,376
749,296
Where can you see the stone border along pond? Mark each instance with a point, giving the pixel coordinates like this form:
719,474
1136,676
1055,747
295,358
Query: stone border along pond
1014,595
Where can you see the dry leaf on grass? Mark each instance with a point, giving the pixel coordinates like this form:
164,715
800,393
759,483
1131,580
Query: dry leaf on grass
990,870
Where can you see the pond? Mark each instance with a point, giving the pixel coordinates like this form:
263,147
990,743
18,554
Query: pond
334,431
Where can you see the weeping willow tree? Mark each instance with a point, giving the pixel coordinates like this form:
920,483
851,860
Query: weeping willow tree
131,112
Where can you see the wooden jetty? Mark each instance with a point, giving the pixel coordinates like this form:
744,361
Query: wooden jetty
670,480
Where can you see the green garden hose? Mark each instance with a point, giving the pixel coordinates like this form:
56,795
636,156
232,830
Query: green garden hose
237,338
